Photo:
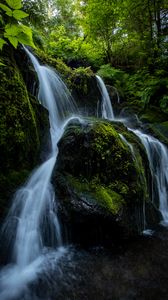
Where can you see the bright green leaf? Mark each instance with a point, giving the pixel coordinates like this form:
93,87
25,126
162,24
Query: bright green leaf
6,8
13,40
15,4
2,42
1,20
19,14
25,29
12,30
9,13
26,39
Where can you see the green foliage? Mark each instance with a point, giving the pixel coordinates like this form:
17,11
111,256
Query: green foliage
164,103
1,64
37,11
73,47
2,42
14,4
100,21
13,30
113,75
147,89
140,88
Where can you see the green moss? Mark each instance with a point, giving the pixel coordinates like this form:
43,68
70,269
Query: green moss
98,194
17,119
75,78
80,79
102,155
56,63
8,185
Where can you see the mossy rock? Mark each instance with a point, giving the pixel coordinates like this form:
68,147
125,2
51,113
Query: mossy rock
9,183
17,119
98,178
101,155
81,81
97,194
21,128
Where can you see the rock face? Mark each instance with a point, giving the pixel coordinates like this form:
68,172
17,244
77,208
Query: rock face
100,185
23,126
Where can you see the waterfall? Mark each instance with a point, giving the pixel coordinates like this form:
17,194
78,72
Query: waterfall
157,155
129,146
106,106
34,205
117,93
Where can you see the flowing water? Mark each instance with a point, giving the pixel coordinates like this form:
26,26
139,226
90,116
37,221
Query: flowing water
157,155
106,107
117,94
158,162
37,232
129,146
34,206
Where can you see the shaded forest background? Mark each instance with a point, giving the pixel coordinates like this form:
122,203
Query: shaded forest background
124,41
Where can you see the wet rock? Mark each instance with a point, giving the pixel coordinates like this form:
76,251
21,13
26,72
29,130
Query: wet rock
23,129
100,186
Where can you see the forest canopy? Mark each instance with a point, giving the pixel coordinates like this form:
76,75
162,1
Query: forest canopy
110,36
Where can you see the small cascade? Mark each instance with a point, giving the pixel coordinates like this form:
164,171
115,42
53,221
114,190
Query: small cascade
157,155
117,93
145,231
129,146
158,162
34,205
106,106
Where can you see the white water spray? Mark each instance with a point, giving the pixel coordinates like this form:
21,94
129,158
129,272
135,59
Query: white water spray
35,203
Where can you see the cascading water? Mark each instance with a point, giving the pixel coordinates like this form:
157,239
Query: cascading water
106,107
117,94
157,155
35,202
158,162
145,231
129,145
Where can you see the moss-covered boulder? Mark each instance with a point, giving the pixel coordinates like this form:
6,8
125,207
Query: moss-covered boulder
100,183
22,122
81,81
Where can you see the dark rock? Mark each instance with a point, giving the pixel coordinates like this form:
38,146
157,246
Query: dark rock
101,188
86,94
23,129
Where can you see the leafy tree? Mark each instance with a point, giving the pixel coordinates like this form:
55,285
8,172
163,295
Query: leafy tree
100,22
12,30
37,12
144,22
